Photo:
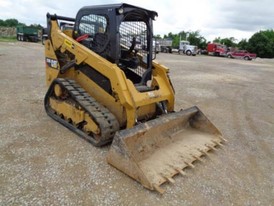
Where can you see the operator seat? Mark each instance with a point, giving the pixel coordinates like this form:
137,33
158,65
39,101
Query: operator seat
100,43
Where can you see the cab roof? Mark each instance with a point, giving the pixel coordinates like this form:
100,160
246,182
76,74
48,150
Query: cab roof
126,7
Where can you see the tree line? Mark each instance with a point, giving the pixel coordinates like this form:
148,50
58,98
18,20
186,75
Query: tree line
261,43
15,23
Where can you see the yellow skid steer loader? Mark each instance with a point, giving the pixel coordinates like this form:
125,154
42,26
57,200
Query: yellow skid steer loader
105,87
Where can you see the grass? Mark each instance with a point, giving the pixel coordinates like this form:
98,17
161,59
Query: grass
7,39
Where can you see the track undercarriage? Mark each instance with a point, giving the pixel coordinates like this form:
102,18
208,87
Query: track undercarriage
70,105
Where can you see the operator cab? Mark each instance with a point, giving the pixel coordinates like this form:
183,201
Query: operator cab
120,33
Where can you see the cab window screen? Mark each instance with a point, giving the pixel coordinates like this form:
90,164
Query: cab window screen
92,24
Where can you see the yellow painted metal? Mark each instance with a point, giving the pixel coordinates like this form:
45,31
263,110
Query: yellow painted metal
128,99
77,116
68,32
146,111
51,73
91,126
114,106
57,90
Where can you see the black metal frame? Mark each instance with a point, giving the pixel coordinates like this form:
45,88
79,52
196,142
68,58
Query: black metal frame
116,14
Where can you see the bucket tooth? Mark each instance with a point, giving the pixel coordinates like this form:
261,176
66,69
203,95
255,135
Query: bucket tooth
198,158
178,170
190,164
204,153
222,138
211,147
181,172
169,179
217,143
158,189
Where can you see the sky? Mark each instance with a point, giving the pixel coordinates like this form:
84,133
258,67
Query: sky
213,18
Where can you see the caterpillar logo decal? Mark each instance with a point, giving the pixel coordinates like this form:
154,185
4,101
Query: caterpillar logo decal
53,63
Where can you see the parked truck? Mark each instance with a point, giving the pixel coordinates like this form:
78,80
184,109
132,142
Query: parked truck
44,35
216,49
165,45
241,54
27,33
187,49
156,46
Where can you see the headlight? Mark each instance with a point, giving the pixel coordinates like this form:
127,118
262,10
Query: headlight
120,10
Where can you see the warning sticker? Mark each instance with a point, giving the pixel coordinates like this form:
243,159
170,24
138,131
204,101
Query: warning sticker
68,43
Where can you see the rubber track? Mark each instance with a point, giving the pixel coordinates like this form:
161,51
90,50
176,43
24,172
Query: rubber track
106,121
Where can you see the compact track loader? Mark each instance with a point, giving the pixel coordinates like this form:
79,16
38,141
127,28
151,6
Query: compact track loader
105,87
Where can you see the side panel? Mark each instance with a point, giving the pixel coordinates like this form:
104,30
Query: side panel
51,63
102,96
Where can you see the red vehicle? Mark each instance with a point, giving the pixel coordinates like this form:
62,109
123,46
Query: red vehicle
241,54
216,49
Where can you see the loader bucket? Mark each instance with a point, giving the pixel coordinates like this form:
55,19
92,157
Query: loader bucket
153,152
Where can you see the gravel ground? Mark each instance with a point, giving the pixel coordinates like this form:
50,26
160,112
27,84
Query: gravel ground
43,163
